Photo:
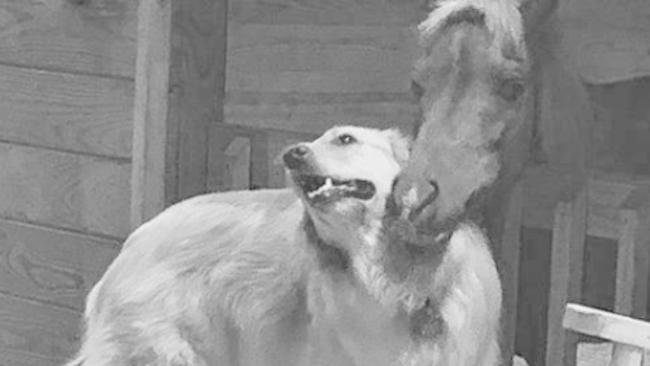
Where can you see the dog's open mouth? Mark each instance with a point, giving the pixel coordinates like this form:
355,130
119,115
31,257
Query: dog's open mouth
320,188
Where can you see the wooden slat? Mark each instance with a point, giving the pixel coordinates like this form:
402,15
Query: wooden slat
198,66
238,162
319,82
218,180
179,92
150,125
320,56
625,265
62,189
37,331
610,326
96,37
567,250
18,358
62,111
383,36
509,258
327,12
316,118
626,355
51,265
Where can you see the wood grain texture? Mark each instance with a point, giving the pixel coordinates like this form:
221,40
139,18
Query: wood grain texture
608,194
238,163
30,331
607,325
149,172
11,357
567,252
197,82
621,133
63,111
510,250
51,265
328,12
95,37
67,190
305,78
219,178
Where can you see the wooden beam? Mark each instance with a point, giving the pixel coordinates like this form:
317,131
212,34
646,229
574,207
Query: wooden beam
509,259
150,116
178,100
606,325
567,251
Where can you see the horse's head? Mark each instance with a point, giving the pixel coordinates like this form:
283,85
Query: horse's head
471,80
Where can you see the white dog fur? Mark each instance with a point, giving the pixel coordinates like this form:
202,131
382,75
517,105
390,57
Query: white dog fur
236,279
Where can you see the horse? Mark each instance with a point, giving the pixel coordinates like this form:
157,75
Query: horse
475,137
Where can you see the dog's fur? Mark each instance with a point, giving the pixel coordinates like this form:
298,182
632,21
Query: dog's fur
273,277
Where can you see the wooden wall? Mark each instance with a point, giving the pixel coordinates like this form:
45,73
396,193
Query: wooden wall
295,68
66,95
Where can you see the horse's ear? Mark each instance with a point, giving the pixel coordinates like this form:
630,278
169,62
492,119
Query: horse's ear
400,144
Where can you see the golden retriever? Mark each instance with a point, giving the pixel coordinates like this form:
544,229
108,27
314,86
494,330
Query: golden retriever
303,276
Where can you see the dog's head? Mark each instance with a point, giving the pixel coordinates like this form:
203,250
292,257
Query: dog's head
346,175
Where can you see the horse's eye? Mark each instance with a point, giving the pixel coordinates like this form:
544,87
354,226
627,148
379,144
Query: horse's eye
346,139
510,89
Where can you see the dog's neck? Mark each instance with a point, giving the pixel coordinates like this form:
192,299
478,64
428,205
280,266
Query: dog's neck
369,271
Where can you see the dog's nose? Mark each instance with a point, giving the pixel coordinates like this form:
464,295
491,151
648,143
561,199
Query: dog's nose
295,156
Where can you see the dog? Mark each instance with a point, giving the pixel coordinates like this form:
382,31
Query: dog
309,275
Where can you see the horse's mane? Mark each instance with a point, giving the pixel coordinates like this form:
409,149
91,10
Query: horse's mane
501,18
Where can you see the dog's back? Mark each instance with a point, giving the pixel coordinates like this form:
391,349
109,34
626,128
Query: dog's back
194,274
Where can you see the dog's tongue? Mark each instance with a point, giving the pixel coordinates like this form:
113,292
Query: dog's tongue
362,189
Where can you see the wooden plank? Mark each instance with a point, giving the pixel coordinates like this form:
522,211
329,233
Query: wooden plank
51,265
179,92
95,37
625,265
18,358
69,112
218,179
197,81
328,12
320,56
509,258
559,284
77,192
316,118
238,162
320,81
610,326
383,36
36,330
626,355
150,117
567,251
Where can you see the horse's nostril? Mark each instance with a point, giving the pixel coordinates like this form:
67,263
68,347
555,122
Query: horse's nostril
295,156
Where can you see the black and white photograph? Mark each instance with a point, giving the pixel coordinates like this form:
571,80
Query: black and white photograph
324,182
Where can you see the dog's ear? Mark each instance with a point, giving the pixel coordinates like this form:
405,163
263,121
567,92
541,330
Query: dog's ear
400,144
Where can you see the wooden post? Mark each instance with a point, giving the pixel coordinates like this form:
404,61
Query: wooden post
178,100
509,258
626,283
567,252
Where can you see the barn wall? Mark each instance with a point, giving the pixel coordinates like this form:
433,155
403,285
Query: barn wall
66,94
295,68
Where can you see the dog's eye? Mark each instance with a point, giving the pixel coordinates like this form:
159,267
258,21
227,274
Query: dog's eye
346,139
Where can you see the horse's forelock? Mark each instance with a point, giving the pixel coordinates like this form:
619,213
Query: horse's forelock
501,18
